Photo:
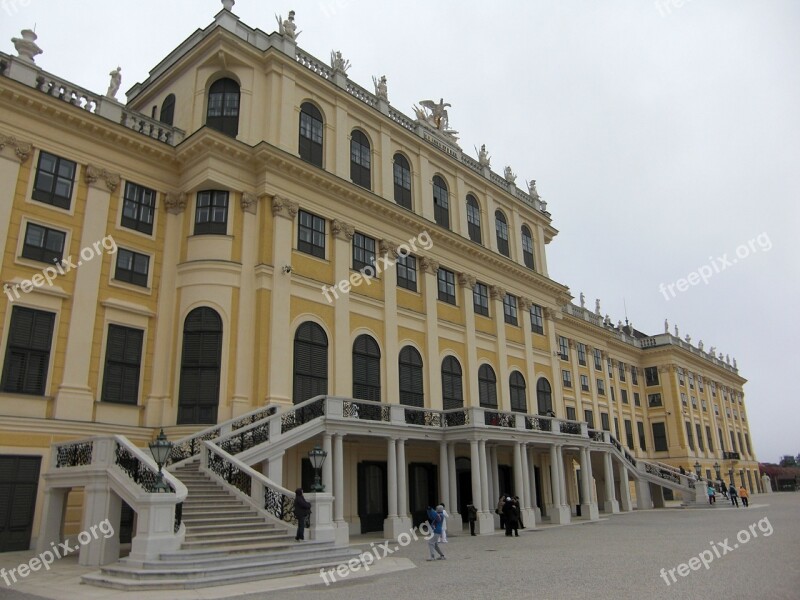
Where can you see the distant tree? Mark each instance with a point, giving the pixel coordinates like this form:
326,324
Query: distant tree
789,461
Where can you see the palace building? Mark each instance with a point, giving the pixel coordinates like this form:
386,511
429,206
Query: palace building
259,256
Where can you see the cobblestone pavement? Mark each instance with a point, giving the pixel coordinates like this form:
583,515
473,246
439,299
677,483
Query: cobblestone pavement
619,557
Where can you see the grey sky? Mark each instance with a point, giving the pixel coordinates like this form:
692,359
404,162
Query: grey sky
661,136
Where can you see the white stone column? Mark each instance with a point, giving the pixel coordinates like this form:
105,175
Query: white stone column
532,479
643,499
392,525
100,503
485,518
467,283
519,479
588,506
52,516
275,468
453,481
559,511
444,478
564,474
327,466
340,526
402,486
245,332
342,350
497,294
624,489
430,268
494,477
74,400
475,475
280,375
610,504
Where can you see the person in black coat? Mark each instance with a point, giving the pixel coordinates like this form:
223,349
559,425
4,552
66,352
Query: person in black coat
302,509
511,516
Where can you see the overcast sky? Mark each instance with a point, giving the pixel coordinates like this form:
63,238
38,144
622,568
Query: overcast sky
663,138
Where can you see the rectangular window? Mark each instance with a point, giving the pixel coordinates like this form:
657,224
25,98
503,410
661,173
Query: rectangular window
55,177
407,272
699,432
43,244
733,442
691,381
510,309
132,267
640,431
480,299
604,422
211,215
634,376
746,441
651,376
537,319
582,354
601,387
709,439
700,383
610,369
622,371
616,428
694,402
311,234
138,208
654,400
659,437
684,399
566,378
613,395
681,379
637,401
629,433
689,436
363,252
123,363
588,416
571,416
624,396
447,286
703,404
30,335
585,383
563,347
713,389
598,358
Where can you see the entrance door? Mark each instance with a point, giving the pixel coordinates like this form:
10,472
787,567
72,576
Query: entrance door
201,361
372,495
19,481
537,476
464,486
423,490
506,481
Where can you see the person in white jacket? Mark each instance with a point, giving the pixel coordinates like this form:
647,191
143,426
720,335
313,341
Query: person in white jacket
440,509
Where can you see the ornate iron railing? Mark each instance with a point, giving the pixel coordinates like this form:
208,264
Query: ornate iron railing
495,418
456,418
365,411
570,427
420,416
614,441
77,454
279,505
662,473
178,516
301,415
253,417
230,472
191,446
730,456
630,458
536,423
138,471
596,435
244,439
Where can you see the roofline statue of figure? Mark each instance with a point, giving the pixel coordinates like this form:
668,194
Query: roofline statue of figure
435,115
287,27
381,89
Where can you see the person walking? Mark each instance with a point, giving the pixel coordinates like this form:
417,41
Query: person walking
440,509
723,489
510,515
519,512
744,495
302,509
712,494
435,521
499,510
472,516
733,495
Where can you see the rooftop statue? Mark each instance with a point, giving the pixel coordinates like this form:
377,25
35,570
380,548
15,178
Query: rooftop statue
666,326
113,85
287,27
532,189
338,63
583,300
597,307
484,159
381,89
433,113
700,345
509,175
677,333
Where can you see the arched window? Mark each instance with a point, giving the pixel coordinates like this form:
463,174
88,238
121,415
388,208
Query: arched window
360,159
223,107
516,384
487,387
402,181
501,225
310,145
366,369
544,396
310,362
474,219
452,387
441,202
527,247
411,386
201,359
168,110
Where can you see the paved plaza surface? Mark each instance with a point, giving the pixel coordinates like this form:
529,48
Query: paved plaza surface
618,557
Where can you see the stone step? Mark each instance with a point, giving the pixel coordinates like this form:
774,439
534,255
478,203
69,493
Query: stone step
204,512
277,545
232,540
216,521
223,533
231,526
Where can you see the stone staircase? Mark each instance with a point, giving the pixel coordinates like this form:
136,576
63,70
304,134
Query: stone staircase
226,542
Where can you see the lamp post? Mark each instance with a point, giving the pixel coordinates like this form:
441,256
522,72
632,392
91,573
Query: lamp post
697,468
317,457
716,468
730,475
160,449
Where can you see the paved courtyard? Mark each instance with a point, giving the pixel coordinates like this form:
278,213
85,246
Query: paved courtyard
617,558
